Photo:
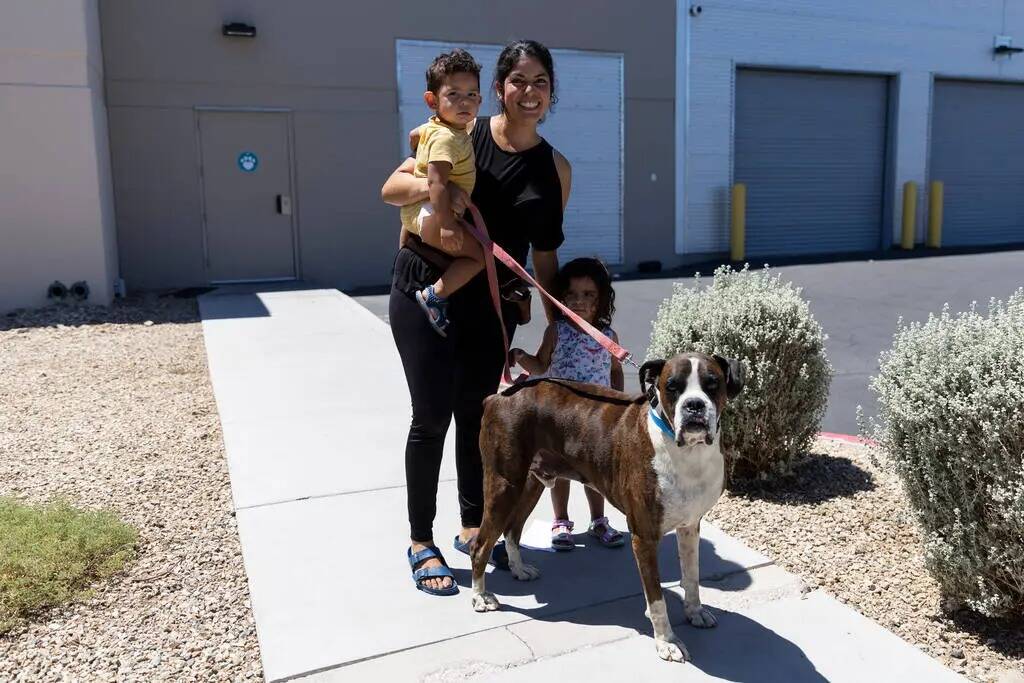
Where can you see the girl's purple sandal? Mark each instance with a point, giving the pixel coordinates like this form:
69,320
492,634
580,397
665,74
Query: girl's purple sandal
605,534
561,535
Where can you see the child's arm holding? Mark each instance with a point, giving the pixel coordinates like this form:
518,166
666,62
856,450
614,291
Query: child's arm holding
618,381
440,199
437,180
539,364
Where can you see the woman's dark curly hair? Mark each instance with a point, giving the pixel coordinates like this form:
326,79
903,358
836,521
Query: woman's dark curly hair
458,61
596,271
511,55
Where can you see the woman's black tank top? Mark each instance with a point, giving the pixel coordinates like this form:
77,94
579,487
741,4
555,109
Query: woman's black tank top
519,194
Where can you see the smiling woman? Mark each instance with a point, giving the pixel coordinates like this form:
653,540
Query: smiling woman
588,131
522,185
520,66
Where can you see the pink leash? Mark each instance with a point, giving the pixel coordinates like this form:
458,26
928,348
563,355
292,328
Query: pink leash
492,250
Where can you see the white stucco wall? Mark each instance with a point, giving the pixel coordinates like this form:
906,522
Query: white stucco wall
56,197
913,41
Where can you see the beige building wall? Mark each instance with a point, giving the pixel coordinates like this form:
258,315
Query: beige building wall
56,197
332,64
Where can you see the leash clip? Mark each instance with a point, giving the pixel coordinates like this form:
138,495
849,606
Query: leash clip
652,397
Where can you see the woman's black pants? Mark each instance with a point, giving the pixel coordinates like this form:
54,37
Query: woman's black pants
447,377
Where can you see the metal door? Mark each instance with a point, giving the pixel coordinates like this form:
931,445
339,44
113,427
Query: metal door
811,148
978,153
247,196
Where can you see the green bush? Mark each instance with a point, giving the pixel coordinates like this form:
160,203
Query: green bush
756,318
50,554
951,423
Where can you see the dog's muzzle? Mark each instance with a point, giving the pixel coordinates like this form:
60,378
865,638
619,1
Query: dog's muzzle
695,423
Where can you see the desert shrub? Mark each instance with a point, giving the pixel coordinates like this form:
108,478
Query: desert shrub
766,324
951,424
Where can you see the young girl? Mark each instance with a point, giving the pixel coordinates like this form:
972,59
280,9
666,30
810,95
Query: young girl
567,352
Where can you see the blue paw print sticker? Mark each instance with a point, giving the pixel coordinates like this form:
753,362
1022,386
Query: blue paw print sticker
248,161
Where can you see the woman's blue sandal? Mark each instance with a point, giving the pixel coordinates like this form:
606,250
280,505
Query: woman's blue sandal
421,576
499,556
435,308
605,534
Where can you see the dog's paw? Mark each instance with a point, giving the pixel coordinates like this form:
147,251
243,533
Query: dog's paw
525,572
672,649
485,602
701,617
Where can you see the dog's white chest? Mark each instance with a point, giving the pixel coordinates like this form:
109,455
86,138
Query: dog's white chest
689,479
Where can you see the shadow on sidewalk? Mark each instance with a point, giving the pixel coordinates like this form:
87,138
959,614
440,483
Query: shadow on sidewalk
738,649
590,569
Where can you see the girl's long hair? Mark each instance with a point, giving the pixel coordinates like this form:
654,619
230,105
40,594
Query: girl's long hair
596,271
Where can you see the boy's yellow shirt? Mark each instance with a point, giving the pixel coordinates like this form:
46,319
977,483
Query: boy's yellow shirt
440,142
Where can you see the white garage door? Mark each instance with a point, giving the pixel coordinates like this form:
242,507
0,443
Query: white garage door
586,127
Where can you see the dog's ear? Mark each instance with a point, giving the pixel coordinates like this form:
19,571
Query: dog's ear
649,372
735,375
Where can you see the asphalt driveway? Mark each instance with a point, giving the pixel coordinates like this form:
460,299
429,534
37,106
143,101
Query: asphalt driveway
857,302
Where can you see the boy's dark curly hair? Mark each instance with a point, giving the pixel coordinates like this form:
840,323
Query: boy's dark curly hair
596,271
458,61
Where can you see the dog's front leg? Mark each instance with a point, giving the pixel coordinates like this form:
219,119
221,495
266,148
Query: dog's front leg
688,540
668,644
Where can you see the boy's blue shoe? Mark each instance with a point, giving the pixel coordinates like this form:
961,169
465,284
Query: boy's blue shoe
435,308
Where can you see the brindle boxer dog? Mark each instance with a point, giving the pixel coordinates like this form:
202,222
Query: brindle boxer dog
656,457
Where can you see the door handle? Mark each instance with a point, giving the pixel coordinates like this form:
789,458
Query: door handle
284,205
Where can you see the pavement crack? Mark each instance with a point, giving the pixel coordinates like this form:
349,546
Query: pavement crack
337,494
533,655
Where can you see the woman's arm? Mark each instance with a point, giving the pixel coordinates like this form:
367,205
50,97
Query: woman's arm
618,381
414,138
546,262
564,169
403,188
540,363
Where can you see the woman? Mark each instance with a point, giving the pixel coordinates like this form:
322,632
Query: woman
522,186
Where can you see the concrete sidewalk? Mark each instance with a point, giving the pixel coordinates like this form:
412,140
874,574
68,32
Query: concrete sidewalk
315,410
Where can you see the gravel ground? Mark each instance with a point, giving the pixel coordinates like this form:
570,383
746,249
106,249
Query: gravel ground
113,408
843,525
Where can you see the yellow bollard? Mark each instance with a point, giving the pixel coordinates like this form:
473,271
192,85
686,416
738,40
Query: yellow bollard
909,214
739,222
935,214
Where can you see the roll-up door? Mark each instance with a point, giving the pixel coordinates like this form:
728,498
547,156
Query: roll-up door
811,148
978,153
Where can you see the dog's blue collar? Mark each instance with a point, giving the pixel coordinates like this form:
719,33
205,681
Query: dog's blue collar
660,421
